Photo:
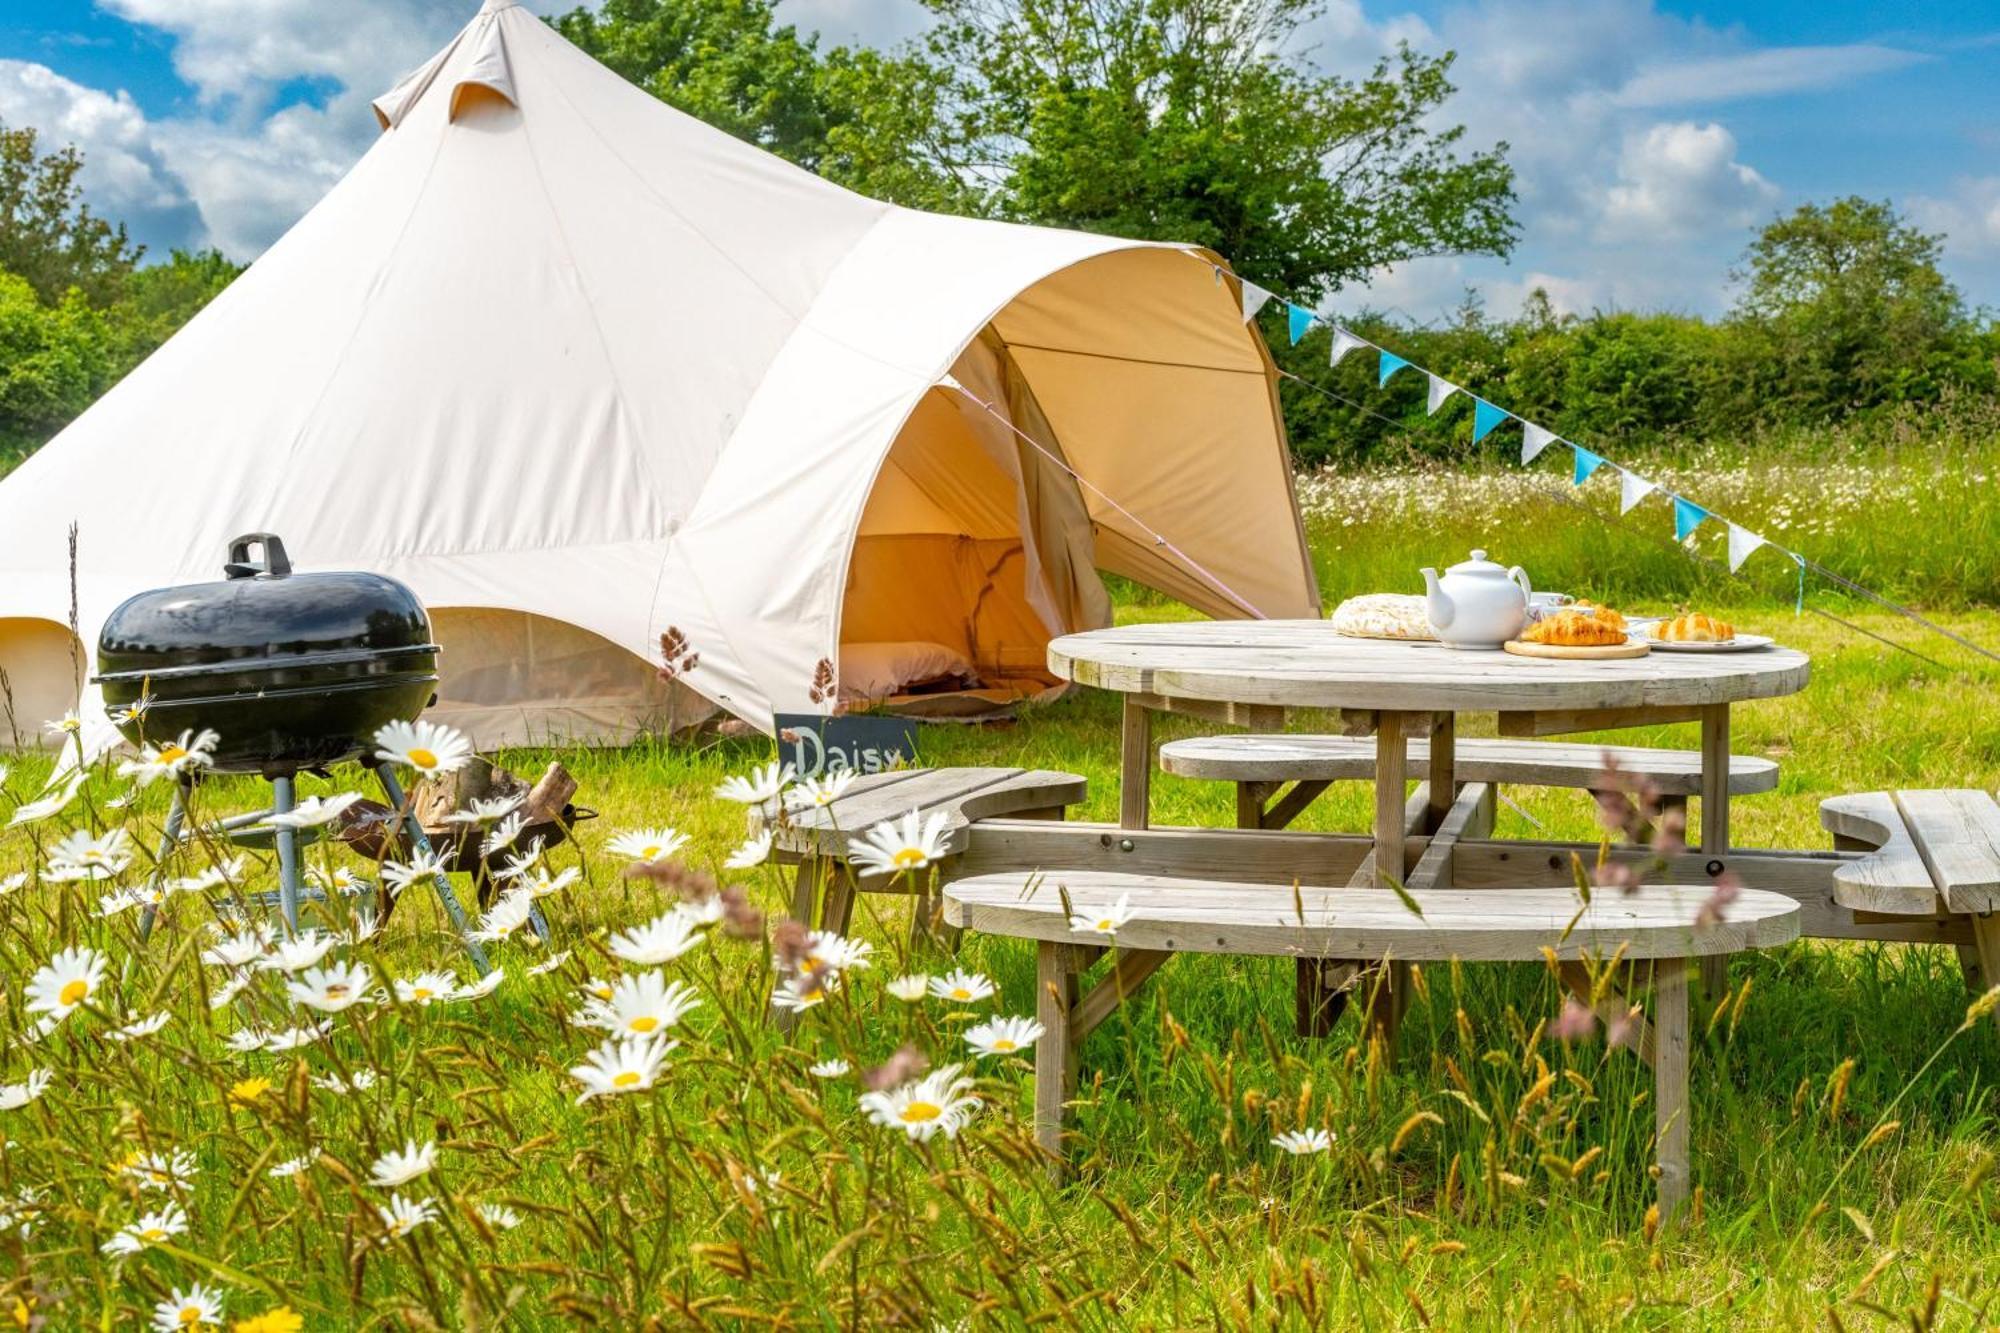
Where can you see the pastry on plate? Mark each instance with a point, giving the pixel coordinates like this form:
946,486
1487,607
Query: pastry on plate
1604,613
1694,627
1572,628
1383,615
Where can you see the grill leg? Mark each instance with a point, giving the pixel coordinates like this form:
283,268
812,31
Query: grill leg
440,881
289,884
176,818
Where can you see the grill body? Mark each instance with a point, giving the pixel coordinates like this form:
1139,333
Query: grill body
290,670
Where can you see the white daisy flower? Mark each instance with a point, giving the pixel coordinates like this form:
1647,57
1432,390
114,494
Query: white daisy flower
541,884
1103,921
596,988
400,1168
332,989
424,746
314,811
237,983
365,926
754,851
1003,1036
517,866
480,989
216,876
1300,1142
401,1216
499,1216
359,1080
510,911
891,848
82,856
661,940
171,759
650,845
341,880
911,988
55,798
640,1003
828,954
399,875
133,712
111,904
834,1068
290,1039
244,1041
939,1103
762,785
486,810
820,792
426,988
622,1064
293,1166
13,882
199,1306
14,1096
135,1028
300,952
502,835
66,725
23,1213
150,1230
961,987
71,978
549,964
700,911
240,947
798,994
163,1171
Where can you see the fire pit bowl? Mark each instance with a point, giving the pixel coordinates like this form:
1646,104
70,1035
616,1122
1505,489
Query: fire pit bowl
291,671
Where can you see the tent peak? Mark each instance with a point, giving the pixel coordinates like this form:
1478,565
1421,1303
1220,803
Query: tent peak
495,6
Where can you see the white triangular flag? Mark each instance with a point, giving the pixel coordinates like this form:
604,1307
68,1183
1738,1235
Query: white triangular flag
1632,488
1441,389
1534,439
1345,342
1254,298
1742,542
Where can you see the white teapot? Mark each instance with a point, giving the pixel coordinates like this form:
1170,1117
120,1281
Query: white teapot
1477,604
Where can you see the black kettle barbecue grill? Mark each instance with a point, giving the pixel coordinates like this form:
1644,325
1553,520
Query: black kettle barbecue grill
291,671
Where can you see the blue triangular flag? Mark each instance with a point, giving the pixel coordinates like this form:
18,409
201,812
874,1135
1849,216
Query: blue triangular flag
1300,320
1586,463
1485,417
1687,517
1391,363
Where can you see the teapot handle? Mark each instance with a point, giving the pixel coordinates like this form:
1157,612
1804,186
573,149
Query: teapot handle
1520,577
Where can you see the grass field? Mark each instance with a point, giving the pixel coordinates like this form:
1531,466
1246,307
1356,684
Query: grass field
1490,1178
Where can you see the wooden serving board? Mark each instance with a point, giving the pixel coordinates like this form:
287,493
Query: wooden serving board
1596,652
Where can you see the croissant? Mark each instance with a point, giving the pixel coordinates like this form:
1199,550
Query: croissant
1574,629
1604,613
1695,627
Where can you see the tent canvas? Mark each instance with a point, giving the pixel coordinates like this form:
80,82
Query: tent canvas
579,368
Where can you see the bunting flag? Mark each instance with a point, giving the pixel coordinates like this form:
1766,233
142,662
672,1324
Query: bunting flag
1345,342
1534,439
1255,298
1742,542
1632,488
1391,363
1586,463
1298,319
1485,416
1687,517
1440,389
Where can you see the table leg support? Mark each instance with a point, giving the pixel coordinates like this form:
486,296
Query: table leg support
1385,991
1670,1083
1135,765
1715,823
1986,943
1055,1052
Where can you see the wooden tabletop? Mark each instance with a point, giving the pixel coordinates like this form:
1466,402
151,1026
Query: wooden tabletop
1305,664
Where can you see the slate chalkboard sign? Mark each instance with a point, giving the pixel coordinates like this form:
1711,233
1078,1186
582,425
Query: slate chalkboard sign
865,743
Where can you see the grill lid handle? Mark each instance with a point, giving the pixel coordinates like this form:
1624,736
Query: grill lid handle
275,563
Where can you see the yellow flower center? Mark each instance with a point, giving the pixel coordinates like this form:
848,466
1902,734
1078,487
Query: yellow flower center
172,754
1106,925
337,991
917,1113
960,993
190,1315
649,851
420,992
153,1235
1004,1044
422,758
910,858
74,993
643,1023
626,1079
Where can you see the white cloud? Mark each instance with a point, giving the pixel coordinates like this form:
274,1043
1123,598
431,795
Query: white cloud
124,175
1681,179
1785,69
1969,216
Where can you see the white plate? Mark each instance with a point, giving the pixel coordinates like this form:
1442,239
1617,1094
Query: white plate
1742,643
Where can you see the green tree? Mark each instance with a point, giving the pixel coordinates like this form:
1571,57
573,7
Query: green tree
1846,308
47,234
54,360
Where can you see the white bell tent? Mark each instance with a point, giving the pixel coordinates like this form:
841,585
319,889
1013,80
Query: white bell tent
579,368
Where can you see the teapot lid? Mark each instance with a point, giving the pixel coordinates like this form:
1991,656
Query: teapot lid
1478,565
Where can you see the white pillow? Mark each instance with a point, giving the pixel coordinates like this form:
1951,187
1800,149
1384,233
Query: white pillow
878,670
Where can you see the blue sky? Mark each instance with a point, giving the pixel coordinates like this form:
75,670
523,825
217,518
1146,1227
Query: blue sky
1651,137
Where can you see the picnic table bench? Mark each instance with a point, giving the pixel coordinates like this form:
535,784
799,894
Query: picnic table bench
1932,854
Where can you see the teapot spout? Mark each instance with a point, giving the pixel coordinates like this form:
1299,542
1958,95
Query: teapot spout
1436,604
